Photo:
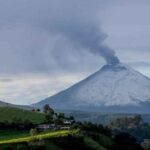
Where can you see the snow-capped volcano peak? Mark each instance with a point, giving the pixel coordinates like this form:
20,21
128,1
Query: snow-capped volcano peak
112,85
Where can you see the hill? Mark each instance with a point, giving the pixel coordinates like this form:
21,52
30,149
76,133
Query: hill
9,113
4,104
114,88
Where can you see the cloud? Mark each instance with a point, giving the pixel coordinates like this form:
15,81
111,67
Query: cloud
36,36
6,80
54,35
31,88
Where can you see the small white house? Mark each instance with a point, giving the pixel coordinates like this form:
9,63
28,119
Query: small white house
43,127
65,128
67,122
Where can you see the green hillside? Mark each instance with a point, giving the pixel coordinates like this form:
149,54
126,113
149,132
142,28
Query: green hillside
48,135
56,140
9,113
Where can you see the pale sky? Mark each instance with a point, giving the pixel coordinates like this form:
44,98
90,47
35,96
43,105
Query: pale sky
48,45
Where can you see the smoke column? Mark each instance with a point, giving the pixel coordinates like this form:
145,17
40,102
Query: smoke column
78,21
88,36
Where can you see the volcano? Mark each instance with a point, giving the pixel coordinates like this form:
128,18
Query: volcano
114,88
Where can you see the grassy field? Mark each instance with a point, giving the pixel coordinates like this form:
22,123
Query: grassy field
8,113
12,134
50,139
48,135
55,140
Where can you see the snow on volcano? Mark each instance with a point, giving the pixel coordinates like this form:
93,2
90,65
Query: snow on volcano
112,85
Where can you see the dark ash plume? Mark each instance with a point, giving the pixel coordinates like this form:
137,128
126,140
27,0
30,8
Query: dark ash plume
90,37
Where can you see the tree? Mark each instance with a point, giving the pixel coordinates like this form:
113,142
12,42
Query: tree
49,112
16,122
33,132
49,118
38,110
61,115
33,110
138,119
59,121
71,118
28,124
124,141
47,109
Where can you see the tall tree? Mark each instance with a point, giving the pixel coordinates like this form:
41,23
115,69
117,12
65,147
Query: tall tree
47,109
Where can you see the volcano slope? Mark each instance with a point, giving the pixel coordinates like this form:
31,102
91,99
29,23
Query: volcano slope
114,88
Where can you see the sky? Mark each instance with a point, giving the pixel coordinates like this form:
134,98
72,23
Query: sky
48,45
